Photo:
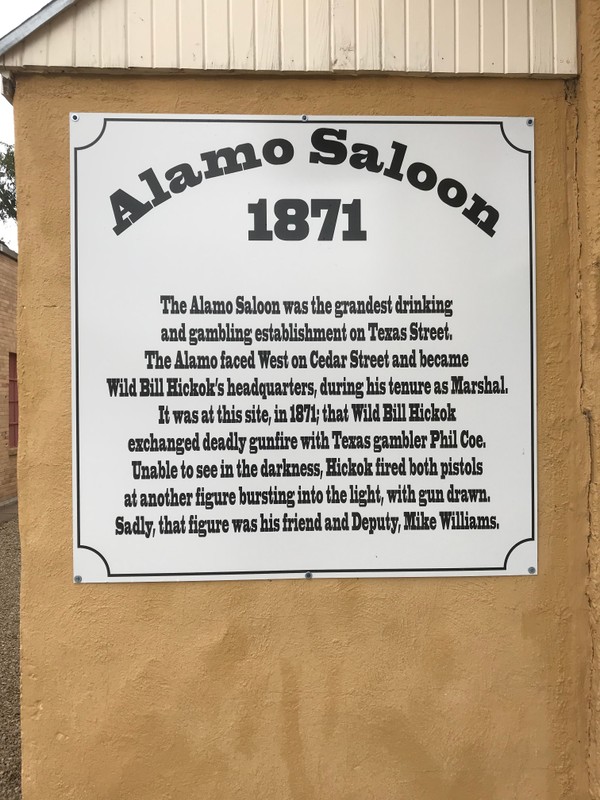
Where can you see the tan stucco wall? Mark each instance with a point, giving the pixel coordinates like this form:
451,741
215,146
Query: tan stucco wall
588,237
455,689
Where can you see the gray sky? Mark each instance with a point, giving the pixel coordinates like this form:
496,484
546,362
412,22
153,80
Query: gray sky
12,13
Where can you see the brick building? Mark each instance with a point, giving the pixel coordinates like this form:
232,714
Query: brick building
9,425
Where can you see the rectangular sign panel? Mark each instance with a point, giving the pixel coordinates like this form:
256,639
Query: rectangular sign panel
302,347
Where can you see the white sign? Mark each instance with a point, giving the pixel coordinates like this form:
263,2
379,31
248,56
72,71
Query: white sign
302,347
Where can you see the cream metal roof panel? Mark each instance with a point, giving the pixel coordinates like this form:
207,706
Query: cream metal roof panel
565,37
442,37
191,34
492,36
293,51
516,36
317,34
468,36
393,56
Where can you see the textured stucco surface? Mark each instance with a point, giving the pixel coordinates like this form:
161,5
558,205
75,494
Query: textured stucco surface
456,689
587,93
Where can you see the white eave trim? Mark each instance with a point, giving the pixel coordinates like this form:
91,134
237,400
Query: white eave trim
445,37
48,12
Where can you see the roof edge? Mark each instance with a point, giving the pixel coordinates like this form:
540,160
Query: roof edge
7,85
45,14
6,251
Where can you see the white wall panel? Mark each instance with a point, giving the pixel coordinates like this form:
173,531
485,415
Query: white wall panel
516,40
191,34
443,35
492,36
61,40
113,33
87,34
418,38
368,34
216,34
468,30
565,35
318,35
139,33
542,36
35,48
394,39
165,34
242,33
454,37
268,53
293,35
343,55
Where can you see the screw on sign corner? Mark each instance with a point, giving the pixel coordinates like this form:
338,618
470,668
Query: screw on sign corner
78,579
531,570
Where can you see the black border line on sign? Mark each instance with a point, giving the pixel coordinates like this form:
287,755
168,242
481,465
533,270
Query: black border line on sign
331,572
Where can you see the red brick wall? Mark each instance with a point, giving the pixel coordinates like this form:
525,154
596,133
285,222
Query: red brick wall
8,344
